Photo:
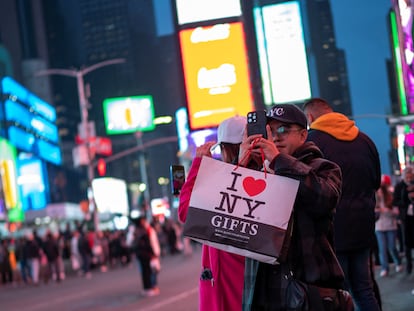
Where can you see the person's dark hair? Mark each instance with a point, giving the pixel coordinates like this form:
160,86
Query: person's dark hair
232,151
316,102
387,195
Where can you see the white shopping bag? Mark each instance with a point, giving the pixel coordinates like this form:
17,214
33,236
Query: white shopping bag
240,210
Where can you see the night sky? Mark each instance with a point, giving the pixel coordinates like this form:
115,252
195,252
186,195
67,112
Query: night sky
361,30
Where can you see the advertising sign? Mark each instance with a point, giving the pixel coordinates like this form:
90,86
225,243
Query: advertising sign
10,199
403,49
37,105
216,73
159,206
28,142
128,114
282,53
183,130
110,195
31,122
33,183
191,11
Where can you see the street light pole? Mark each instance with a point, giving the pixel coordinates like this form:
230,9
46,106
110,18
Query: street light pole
83,106
144,175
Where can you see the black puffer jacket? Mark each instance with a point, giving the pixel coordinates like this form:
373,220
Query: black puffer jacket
142,244
341,142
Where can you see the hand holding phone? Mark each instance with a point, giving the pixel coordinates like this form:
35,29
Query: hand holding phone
256,123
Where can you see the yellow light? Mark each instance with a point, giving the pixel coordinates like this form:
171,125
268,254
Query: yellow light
142,187
8,177
163,120
163,181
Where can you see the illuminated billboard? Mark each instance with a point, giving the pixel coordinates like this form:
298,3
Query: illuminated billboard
33,182
216,73
30,143
30,122
401,26
19,114
282,53
37,105
398,64
128,114
183,130
191,11
10,199
110,195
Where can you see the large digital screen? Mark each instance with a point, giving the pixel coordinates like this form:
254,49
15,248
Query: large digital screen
33,123
183,130
28,142
398,64
29,121
216,73
128,114
110,195
191,11
282,53
10,199
405,55
32,181
37,105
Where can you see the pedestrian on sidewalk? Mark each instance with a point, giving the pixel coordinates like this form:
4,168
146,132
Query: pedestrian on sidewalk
341,141
386,229
51,249
33,253
405,205
85,251
148,252
5,265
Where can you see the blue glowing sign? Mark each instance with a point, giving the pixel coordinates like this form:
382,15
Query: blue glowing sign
32,182
20,115
49,152
27,142
16,91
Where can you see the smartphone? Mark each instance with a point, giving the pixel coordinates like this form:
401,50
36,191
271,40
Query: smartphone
177,177
256,123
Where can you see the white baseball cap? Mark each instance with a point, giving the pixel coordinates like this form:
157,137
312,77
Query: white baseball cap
231,131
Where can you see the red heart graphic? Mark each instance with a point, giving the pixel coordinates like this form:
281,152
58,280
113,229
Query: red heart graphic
253,186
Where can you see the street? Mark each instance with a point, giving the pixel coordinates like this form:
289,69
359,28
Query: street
119,290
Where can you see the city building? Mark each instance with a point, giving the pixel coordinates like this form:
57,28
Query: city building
101,31
331,71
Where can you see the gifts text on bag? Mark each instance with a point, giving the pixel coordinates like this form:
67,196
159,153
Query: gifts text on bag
229,201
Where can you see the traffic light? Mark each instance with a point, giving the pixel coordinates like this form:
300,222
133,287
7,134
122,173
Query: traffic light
101,166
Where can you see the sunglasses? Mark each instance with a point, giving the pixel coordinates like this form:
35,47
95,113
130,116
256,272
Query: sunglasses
284,131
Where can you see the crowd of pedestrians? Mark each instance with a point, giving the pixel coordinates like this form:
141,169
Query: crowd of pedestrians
33,259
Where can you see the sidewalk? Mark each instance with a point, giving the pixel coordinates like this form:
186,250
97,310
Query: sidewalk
396,290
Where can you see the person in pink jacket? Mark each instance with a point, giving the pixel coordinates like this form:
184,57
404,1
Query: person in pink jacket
222,273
